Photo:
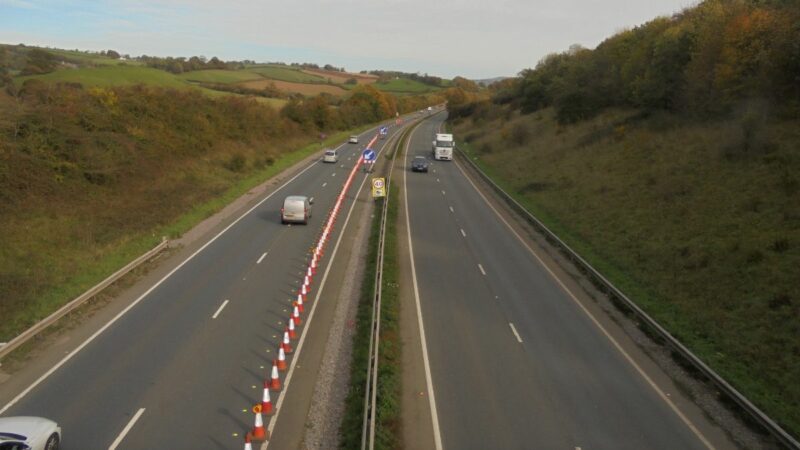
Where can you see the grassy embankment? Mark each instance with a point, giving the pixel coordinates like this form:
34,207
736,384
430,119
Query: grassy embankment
405,86
90,179
387,428
699,223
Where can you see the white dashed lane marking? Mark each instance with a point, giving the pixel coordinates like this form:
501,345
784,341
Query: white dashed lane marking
514,330
481,269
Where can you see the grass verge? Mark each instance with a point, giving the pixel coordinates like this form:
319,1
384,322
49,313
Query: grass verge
388,433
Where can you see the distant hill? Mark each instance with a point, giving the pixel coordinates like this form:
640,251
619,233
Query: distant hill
488,81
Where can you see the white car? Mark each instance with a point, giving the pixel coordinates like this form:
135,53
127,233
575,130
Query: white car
29,433
330,156
353,139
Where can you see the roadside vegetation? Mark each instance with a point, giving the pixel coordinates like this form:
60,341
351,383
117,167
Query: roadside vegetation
98,161
388,434
668,157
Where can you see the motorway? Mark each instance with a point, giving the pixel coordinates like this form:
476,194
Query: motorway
182,367
514,361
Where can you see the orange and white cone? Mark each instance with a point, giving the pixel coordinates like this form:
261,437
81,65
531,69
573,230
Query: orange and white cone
275,379
292,333
307,283
281,359
304,291
247,444
286,345
309,274
266,403
259,433
299,303
314,264
296,316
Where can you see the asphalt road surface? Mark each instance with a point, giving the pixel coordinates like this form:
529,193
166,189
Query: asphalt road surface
182,368
514,361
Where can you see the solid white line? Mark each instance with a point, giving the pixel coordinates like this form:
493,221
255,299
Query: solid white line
220,309
591,317
482,271
262,258
451,209
273,420
141,297
514,330
463,233
126,429
437,436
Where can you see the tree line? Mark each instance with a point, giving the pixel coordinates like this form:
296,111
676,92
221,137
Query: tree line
703,61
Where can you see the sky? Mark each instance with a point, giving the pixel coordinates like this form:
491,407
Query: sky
446,38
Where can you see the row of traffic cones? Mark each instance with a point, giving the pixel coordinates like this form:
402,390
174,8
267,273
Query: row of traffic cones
259,431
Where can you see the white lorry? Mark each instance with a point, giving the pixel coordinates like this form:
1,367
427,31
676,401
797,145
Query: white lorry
443,147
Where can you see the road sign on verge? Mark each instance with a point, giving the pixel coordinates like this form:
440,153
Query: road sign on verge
384,129
378,187
369,155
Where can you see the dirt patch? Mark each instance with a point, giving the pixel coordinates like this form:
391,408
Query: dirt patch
301,88
341,77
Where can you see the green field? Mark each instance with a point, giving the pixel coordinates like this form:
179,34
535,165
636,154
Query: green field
112,76
90,58
220,76
286,74
405,86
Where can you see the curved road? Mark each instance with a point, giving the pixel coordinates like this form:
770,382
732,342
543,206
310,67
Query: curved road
515,362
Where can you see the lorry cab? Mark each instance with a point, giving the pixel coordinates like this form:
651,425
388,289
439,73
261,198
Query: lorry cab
443,147
296,209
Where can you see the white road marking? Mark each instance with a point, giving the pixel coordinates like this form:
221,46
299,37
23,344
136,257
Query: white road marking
262,258
463,233
220,309
514,330
482,271
324,184
437,436
437,180
126,429
333,174
451,209
74,352
273,420
443,193
596,322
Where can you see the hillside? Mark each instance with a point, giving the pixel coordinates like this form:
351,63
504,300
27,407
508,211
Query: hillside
680,186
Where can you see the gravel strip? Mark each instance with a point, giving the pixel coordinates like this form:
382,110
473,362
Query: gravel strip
328,400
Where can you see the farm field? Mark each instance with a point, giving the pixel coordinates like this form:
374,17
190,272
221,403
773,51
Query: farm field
220,76
111,76
341,77
302,88
286,74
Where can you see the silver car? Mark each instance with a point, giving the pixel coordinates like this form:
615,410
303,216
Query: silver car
296,208
29,433
330,156
353,139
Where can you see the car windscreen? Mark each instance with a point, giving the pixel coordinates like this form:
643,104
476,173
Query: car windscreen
444,143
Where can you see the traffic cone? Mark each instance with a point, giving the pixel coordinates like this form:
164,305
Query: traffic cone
275,379
307,283
266,403
259,433
309,273
292,333
286,345
299,303
296,316
247,444
304,291
314,264
281,359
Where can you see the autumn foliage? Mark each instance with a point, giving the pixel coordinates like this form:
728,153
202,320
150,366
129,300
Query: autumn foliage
703,61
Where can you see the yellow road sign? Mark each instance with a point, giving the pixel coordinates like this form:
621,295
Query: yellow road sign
378,187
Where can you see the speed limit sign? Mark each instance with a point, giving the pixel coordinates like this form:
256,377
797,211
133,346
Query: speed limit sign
378,187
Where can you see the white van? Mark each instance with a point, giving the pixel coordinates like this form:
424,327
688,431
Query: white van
330,156
296,208
353,139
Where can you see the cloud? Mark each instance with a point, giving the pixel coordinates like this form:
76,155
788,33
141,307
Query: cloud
22,4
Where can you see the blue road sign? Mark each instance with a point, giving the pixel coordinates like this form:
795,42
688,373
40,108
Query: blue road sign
384,130
369,155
